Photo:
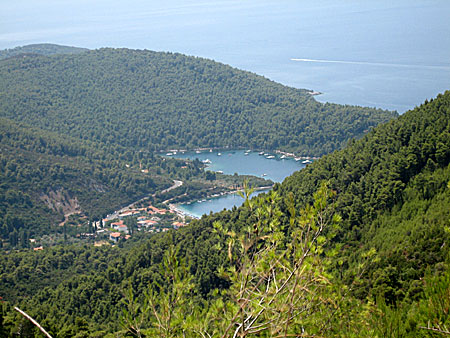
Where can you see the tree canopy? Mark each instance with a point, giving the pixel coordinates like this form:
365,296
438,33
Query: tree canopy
151,100
388,259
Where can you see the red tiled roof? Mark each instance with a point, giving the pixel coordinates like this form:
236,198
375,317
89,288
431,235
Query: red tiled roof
117,223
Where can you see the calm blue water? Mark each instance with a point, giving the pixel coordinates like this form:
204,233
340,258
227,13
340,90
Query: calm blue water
197,209
236,161
383,53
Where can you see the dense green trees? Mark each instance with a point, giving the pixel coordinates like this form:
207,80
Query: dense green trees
151,101
98,117
391,184
278,286
388,262
44,175
40,49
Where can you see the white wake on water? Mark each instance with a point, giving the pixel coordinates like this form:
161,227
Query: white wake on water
382,64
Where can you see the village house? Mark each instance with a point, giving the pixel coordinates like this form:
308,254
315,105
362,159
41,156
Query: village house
177,225
114,236
154,210
120,226
115,225
146,223
129,213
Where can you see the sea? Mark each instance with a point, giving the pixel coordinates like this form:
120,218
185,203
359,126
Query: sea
385,54
243,162
240,162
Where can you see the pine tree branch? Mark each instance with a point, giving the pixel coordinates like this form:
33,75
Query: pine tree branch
445,331
23,313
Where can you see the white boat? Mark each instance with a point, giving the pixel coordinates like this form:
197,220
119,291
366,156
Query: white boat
207,161
306,162
297,158
219,154
219,171
245,154
270,157
169,154
283,156
261,153
264,175
197,151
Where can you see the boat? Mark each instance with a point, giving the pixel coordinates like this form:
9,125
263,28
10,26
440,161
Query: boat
207,161
219,154
197,151
169,154
283,156
264,175
297,158
270,157
307,162
219,171
261,153
245,154
210,150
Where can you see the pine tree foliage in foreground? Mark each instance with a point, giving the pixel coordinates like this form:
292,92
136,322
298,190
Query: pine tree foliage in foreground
392,194
280,286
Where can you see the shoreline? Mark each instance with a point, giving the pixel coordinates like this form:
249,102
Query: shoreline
174,152
175,206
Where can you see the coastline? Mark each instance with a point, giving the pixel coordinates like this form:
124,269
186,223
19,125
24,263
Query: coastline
182,213
174,152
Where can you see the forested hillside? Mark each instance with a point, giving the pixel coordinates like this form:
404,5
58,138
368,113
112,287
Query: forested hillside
148,100
80,128
45,176
384,270
40,49
50,185
392,194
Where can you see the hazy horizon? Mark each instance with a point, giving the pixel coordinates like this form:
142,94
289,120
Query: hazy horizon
354,52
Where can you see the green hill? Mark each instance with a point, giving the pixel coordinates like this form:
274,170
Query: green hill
45,176
391,192
40,49
148,100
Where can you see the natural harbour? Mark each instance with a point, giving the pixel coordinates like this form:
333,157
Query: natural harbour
274,166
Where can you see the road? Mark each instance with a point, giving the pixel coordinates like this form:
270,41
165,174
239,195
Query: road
175,185
115,214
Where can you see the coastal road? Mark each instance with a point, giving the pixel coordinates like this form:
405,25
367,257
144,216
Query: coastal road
115,214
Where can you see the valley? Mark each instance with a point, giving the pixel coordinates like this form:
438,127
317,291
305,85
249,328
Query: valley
353,242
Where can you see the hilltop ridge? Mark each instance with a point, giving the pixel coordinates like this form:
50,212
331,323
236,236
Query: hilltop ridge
40,49
153,100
